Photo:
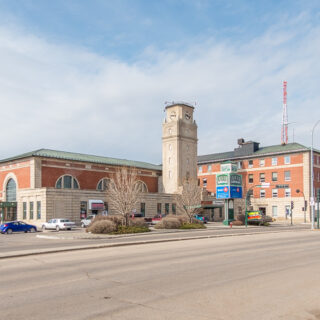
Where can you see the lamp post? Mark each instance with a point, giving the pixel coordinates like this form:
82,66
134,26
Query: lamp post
312,187
304,204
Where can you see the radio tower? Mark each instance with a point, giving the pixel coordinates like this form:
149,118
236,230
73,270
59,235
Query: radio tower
284,127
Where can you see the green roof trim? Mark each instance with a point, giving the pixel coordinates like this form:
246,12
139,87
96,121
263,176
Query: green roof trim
72,156
263,151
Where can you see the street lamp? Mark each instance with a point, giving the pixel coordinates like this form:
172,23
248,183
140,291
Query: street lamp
304,204
312,191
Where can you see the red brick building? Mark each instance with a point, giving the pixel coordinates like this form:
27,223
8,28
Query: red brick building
42,184
278,165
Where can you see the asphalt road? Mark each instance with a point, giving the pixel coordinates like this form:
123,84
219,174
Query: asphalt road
263,276
21,242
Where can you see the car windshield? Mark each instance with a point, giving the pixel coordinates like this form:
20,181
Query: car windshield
65,220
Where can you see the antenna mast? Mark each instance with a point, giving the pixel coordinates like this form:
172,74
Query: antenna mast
284,127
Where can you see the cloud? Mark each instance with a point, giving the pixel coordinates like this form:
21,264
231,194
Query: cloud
68,98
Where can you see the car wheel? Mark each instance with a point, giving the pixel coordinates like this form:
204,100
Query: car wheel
9,231
32,230
43,228
57,228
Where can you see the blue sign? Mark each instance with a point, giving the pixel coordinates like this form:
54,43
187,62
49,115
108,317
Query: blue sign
235,192
229,192
223,192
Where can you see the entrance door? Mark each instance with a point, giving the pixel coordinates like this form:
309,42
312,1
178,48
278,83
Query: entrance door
263,210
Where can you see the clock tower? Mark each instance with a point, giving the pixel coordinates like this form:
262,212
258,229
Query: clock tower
179,146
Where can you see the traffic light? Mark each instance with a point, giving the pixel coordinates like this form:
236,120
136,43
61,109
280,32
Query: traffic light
292,204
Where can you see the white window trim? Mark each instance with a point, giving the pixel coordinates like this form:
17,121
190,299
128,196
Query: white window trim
275,193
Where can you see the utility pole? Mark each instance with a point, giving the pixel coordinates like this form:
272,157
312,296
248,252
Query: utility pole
312,177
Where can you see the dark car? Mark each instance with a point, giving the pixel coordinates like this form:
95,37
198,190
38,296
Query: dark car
17,226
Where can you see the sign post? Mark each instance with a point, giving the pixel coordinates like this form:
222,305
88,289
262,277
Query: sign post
228,186
318,200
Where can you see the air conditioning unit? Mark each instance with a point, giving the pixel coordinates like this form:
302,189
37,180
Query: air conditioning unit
212,193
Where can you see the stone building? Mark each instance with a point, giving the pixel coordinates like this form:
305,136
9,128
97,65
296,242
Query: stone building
44,184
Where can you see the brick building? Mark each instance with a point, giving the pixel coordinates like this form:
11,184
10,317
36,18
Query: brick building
278,165
44,184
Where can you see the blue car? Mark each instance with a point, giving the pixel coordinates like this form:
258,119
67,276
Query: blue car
17,226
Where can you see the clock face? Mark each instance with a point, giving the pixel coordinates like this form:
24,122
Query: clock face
187,116
172,115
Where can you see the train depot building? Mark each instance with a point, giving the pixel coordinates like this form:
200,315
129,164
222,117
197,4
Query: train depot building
45,184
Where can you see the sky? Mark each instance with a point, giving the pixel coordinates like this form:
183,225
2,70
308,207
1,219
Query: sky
93,76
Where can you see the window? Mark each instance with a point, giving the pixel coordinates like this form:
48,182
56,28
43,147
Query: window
262,162
142,187
274,211
143,209
158,208
11,191
170,174
262,177
38,209
274,193
274,176
209,168
239,164
170,147
288,211
287,160
250,163
174,208
287,192
103,184
287,176
24,213
200,169
274,161
67,182
31,210
250,178
166,208
262,193
204,182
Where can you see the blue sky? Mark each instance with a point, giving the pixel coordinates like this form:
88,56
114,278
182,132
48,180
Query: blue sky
93,76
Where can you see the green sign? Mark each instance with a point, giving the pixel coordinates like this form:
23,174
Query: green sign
8,204
222,179
228,167
235,179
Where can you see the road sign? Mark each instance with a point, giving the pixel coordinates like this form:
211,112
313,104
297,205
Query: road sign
282,186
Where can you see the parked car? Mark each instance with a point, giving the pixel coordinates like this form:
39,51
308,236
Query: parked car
201,218
85,222
156,219
58,224
17,226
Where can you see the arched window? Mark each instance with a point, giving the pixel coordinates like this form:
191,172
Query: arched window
67,182
142,186
103,184
11,191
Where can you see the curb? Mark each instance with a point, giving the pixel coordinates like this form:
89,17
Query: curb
141,242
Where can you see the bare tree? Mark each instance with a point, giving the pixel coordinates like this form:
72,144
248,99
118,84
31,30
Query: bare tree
189,201
124,191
